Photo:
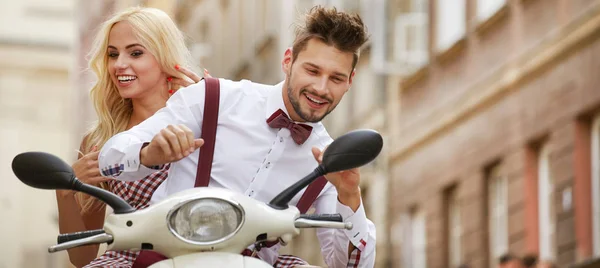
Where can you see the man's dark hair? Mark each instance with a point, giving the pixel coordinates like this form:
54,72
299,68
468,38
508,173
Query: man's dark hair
529,260
344,31
506,258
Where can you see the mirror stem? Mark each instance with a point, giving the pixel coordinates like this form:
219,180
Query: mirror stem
115,202
281,201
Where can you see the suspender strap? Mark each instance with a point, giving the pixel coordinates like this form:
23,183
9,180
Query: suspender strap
311,194
209,131
307,199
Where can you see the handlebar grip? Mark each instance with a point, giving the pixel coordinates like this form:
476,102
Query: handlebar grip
62,238
323,217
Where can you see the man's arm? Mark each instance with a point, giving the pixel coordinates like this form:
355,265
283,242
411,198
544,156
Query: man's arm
120,156
346,248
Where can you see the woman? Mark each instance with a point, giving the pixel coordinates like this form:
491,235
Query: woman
136,57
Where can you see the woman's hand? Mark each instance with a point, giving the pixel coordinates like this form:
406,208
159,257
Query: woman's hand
86,169
177,83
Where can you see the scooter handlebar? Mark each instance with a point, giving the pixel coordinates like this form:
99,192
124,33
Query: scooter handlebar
322,217
62,238
304,223
97,239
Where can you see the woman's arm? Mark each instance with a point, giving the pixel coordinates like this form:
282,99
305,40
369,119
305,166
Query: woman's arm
72,218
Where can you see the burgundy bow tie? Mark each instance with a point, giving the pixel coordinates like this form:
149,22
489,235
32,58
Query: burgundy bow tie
300,132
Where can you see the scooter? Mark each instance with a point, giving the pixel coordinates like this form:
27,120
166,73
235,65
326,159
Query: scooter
200,227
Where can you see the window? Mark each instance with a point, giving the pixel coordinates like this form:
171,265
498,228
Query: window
411,29
364,101
596,186
498,215
454,229
415,241
487,8
450,23
545,206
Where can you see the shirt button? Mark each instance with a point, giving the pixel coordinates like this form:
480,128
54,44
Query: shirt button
268,164
281,139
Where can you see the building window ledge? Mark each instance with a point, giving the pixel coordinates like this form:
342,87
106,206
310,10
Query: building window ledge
418,75
452,52
483,26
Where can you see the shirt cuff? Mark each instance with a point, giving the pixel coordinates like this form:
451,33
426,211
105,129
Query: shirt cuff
131,160
360,230
130,163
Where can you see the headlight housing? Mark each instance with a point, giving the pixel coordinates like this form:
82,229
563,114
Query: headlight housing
205,221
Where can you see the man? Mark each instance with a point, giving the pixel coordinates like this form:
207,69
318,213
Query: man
252,155
509,261
529,261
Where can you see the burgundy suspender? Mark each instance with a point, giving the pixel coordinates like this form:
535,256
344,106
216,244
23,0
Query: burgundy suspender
209,131
311,194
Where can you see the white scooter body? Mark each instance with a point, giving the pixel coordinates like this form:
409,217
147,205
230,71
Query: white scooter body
258,218
212,259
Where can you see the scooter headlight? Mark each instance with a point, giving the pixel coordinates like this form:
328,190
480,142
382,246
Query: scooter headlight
205,221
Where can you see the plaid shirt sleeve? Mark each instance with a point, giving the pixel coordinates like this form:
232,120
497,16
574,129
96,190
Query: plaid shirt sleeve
354,259
334,242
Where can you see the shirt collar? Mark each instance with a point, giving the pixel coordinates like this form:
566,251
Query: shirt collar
275,102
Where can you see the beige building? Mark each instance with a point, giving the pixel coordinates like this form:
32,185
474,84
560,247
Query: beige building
44,106
36,114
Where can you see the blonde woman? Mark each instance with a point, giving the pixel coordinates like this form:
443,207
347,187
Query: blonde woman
138,58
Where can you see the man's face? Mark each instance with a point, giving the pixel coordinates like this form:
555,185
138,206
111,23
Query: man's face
316,81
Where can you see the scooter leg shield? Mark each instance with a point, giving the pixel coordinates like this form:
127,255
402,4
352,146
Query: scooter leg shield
212,259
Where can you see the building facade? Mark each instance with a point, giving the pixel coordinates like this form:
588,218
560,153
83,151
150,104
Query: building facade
497,148
36,38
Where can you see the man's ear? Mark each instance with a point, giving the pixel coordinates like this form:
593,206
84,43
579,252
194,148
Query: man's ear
286,63
351,77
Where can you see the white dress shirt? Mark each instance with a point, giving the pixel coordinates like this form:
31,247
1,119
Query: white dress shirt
250,157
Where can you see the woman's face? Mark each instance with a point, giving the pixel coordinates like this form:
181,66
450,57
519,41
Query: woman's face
132,67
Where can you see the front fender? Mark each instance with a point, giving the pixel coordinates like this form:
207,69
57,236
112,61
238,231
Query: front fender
212,259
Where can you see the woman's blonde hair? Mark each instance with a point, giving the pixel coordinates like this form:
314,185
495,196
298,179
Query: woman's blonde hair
157,32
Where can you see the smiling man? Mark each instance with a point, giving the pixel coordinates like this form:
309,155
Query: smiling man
268,137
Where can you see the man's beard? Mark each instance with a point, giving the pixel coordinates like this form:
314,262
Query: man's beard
295,100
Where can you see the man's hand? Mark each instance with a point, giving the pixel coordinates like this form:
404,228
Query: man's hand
171,144
345,182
